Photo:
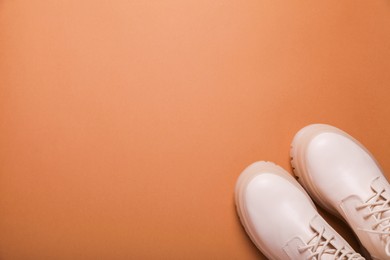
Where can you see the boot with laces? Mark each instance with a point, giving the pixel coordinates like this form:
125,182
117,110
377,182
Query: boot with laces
344,178
281,219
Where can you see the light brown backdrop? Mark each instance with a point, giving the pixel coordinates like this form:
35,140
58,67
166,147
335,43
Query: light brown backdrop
124,124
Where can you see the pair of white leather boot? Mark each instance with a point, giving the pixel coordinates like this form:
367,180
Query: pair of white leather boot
340,175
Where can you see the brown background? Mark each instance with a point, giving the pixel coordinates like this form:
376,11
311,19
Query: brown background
124,124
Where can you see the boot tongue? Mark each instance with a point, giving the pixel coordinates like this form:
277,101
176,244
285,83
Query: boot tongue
318,224
377,185
336,242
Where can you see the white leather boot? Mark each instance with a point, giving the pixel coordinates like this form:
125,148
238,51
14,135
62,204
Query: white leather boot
344,178
281,219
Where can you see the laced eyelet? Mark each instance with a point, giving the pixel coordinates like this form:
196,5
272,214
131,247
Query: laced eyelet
377,205
360,207
319,244
366,216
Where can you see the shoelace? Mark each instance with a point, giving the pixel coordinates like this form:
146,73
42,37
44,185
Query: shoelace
319,246
378,205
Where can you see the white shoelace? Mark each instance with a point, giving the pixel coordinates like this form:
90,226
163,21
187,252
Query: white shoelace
319,246
378,205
